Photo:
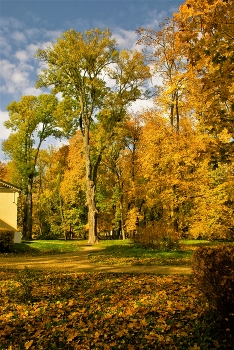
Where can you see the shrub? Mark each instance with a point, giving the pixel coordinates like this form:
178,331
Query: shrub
213,269
6,239
158,235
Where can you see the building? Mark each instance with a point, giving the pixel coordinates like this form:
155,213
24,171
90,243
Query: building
8,208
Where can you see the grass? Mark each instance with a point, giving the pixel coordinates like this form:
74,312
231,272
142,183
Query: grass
116,252
45,247
105,311
134,254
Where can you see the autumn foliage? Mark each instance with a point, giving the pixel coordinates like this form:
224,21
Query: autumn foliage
40,310
171,165
213,269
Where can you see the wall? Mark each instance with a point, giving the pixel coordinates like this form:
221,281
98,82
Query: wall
8,208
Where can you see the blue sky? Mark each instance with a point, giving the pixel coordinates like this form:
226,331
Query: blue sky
26,26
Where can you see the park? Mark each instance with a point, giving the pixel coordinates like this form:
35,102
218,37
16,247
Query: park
72,295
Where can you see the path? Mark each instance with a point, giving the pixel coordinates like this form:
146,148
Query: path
79,262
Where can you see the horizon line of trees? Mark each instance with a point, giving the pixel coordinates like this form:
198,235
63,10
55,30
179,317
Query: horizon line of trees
171,164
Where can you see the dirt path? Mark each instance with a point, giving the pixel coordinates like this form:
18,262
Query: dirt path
80,262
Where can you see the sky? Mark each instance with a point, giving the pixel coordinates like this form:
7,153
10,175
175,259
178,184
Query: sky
26,26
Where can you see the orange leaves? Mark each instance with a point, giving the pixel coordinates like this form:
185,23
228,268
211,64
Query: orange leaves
28,344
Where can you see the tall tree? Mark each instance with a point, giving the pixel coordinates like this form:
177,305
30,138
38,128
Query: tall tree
80,65
31,121
162,50
206,31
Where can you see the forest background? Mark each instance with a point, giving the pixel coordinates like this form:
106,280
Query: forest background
166,169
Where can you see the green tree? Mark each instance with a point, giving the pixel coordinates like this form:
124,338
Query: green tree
80,65
31,121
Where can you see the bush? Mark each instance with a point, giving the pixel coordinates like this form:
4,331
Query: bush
158,235
6,239
213,270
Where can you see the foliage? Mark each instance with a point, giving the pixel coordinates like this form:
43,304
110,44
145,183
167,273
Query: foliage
31,121
103,311
171,164
158,235
79,66
6,239
213,269
206,33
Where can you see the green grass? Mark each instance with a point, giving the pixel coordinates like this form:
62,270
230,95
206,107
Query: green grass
116,252
133,254
44,247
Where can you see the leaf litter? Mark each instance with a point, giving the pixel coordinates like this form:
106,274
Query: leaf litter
53,310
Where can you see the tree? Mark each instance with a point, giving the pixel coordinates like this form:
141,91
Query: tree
31,121
164,54
206,32
48,210
79,66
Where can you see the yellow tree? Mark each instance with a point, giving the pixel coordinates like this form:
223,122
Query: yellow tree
72,188
170,164
164,54
206,32
80,65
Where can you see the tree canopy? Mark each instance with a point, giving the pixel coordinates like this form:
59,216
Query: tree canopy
170,166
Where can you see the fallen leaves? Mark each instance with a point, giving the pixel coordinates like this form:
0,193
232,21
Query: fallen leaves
100,311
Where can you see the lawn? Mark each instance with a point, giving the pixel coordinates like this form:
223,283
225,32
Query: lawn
54,310
114,251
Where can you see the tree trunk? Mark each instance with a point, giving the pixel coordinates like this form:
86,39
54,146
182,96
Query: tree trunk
122,217
92,212
91,179
27,220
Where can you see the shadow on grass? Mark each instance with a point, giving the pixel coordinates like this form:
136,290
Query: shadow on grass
136,255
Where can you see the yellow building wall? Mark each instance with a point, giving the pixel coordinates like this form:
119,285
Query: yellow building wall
8,208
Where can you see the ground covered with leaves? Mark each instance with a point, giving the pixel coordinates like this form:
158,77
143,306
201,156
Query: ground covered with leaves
45,310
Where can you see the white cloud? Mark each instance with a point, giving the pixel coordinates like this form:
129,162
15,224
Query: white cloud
22,56
15,77
9,23
52,34
5,46
18,36
4,132
140,105
125,38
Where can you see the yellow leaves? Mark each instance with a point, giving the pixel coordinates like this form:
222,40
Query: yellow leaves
28,344
72,335
131,311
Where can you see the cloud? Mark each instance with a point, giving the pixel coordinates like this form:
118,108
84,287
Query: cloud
18,36
22,55
52,34
125,38
15,77
4,132
9,23
140,105
5,46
